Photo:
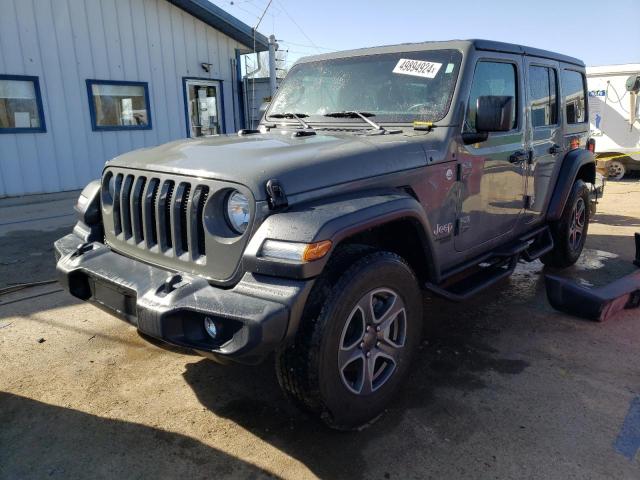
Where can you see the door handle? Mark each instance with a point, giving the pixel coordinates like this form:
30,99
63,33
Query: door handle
555,149
519,156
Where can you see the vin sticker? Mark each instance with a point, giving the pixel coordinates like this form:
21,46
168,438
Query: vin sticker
417,68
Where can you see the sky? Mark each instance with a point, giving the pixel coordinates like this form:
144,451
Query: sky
598,32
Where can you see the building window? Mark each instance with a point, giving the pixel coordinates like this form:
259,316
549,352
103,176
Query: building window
574,88
119,105
542,96
20,105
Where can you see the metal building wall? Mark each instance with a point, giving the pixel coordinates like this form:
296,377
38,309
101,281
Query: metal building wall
65,42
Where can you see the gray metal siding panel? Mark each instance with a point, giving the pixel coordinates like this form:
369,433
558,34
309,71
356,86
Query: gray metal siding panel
65,42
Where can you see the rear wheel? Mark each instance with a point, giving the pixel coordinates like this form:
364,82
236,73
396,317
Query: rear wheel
616,170
357,336
570,232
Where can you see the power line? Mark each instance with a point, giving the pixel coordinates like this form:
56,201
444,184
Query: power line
298,26
307,46
262,16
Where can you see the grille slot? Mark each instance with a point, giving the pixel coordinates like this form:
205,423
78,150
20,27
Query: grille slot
149,212
136,209
199,199
117,222
125,206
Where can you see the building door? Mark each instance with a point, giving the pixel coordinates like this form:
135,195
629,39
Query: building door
203,98
493,172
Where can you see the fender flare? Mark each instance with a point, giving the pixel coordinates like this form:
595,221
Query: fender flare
333,219
571,165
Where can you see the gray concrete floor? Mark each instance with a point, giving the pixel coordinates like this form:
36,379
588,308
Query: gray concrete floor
502,387
28,228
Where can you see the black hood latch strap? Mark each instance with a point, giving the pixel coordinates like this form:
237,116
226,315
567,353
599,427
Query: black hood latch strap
276,197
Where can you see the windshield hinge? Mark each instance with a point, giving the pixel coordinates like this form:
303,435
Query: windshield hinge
277,198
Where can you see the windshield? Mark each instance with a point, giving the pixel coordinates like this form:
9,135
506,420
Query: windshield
394,87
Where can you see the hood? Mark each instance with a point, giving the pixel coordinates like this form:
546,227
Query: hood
299,163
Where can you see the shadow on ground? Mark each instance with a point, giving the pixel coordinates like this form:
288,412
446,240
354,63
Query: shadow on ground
54,442
27,256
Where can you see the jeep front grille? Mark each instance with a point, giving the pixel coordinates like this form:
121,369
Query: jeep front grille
159,214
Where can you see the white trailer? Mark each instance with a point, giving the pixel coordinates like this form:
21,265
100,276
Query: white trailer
614,112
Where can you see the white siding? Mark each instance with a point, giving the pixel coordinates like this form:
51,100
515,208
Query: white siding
65,42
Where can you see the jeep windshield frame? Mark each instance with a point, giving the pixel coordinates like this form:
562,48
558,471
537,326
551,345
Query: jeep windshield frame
395,88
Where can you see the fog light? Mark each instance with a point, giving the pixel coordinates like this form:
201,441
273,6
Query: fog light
211,327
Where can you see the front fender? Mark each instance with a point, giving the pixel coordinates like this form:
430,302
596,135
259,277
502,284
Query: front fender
331,219
571,165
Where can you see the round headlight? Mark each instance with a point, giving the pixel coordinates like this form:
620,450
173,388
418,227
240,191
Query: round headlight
238,211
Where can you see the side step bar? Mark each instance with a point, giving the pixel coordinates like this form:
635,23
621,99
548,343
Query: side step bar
475,282
528,247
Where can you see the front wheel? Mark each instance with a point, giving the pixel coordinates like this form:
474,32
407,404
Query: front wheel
570,232
357,336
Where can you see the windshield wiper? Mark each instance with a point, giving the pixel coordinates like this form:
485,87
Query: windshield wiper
356,114
295,116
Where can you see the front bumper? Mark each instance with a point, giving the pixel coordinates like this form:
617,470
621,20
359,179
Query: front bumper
253,318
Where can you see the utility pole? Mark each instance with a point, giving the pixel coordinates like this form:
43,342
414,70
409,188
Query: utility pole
273,46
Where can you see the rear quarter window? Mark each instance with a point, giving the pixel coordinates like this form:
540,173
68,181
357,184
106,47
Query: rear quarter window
574,92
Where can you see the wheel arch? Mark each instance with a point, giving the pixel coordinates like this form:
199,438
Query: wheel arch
578,164
369,218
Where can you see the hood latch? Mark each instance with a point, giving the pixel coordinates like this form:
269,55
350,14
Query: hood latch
277,198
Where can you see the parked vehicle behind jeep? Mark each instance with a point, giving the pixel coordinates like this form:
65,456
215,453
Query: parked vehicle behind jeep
375,175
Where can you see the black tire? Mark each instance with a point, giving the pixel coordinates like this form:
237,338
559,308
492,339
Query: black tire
308,369
567,249
616,170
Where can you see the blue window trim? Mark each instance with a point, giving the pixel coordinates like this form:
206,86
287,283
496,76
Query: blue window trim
92,107
186,102
36,86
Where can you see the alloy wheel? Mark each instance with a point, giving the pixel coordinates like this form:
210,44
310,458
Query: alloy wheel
372,341
578,221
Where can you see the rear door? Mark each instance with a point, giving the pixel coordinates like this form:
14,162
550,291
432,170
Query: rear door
544,135
492,172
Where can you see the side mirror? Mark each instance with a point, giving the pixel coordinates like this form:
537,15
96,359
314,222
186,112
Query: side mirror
494,114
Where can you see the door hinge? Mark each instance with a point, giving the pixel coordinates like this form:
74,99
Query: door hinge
462,224
464,170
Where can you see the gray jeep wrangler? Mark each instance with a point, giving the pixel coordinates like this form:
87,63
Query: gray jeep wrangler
375,175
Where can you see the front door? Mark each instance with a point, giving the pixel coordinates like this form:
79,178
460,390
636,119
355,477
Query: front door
492,172
545,135
203,107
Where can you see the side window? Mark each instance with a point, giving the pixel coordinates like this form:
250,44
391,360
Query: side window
491,78
574,91
543,96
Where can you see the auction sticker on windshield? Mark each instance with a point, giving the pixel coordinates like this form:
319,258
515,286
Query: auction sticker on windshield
417,68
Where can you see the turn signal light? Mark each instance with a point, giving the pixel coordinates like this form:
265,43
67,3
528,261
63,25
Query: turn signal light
294,251
315,251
